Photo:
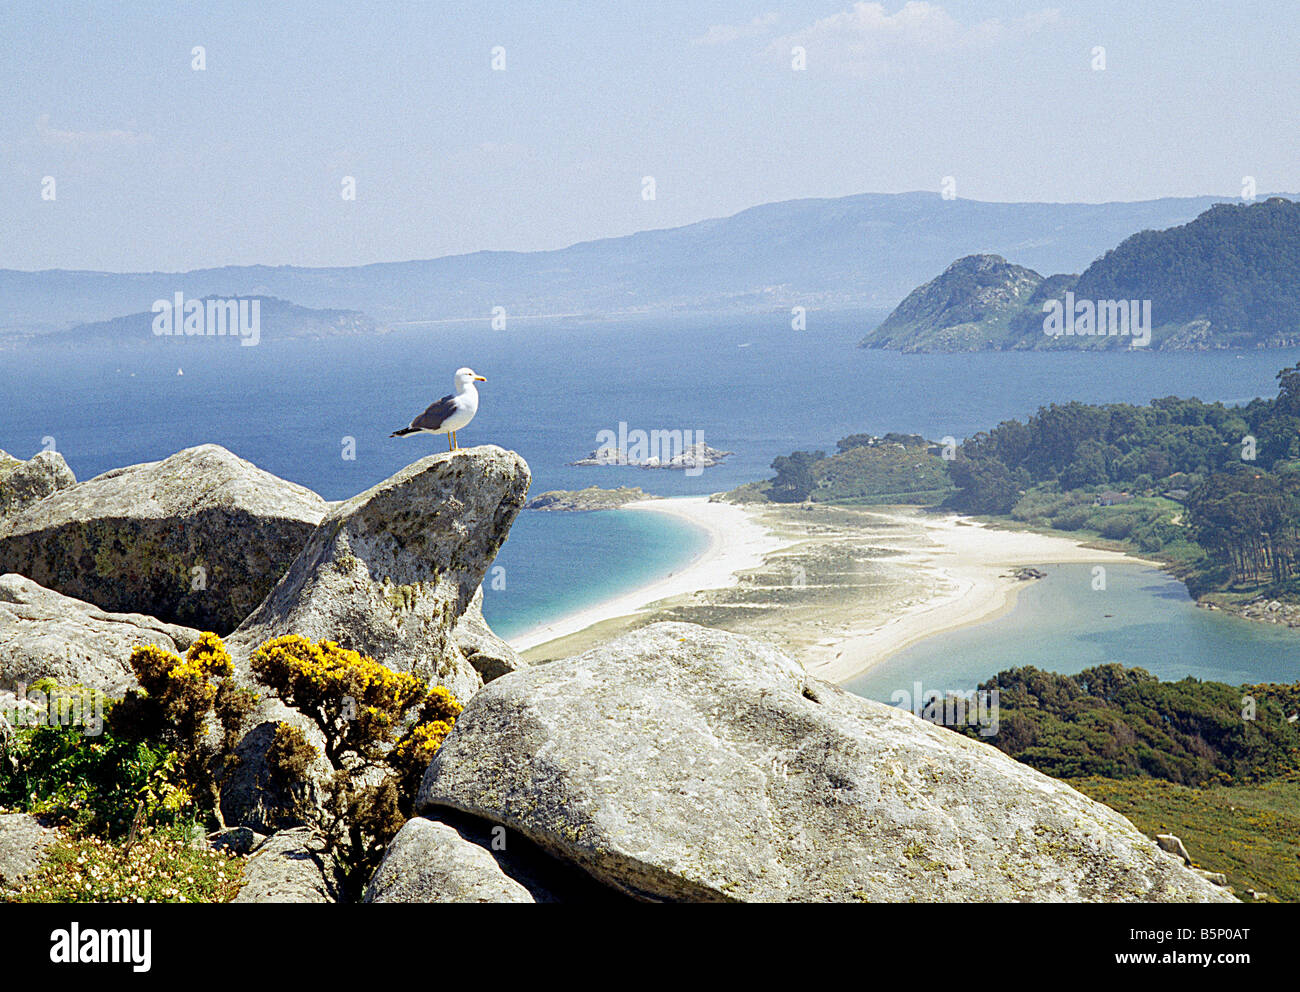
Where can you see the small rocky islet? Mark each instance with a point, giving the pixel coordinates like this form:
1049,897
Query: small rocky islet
674,763
585,500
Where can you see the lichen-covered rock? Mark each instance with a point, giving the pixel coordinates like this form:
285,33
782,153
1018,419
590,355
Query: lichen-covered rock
23,842
251,795
290,866
432,862
489,654
46,634
682,763
25,482
389,572
198,538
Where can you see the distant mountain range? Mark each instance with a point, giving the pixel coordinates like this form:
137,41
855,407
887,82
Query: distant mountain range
1228,279
857,252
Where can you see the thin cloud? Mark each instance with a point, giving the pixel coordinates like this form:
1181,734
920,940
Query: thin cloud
61,136
867,41
724,34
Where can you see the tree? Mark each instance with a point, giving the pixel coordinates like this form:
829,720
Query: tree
985,486
794,480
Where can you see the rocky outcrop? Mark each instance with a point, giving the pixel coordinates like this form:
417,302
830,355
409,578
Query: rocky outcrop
25,482
674,454
290,866
46,634
966,308
489,654
1174,846
681,763
431,862
198,538
23,843
1264,609
389,572
236,840
583,500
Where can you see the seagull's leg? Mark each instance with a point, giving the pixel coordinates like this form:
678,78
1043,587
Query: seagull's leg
451,441
455,440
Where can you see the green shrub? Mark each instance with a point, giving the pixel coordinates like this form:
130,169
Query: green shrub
1117,528
1073,519
94,782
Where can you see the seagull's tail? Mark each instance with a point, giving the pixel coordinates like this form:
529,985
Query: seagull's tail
403,432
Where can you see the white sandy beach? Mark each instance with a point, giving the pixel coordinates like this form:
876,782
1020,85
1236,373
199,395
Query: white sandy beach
971,564
737,543
965,567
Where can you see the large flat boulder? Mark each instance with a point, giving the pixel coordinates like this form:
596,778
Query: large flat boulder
197,539
390,572
25,482
46,634
682,763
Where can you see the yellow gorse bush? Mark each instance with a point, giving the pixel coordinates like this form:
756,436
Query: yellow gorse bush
160,671
357,702
181,700
421,744
360,706
325,669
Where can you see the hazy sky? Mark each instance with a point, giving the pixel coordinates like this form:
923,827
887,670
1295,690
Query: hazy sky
159,166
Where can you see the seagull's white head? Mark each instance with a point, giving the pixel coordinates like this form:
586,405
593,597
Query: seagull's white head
465,378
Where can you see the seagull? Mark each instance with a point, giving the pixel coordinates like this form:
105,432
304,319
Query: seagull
450,413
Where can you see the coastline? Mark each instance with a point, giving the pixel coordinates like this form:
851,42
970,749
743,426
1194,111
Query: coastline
913,575
737,543
970,562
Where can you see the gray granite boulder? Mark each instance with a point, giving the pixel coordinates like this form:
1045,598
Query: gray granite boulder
25,482
251,796
23,843
198,538
491,656
390,572
46,634
431,862
290,866
682,763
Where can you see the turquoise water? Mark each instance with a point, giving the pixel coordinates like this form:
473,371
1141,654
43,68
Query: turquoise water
1143,618
749,385
558,563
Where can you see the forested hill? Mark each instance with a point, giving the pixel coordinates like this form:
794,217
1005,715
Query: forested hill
1214,489
1228,279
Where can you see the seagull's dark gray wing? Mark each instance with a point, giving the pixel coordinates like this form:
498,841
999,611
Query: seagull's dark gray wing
436,415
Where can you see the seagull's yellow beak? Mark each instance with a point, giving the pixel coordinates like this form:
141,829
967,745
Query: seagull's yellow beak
480,378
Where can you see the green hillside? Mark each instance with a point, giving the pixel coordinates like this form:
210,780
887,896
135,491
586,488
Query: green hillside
1228,279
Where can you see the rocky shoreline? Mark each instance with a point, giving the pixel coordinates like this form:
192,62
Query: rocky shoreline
1262,609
